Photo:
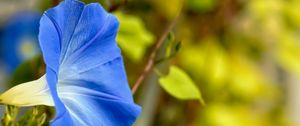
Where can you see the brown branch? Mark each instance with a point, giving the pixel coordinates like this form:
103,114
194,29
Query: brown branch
153,54
55,2
116,6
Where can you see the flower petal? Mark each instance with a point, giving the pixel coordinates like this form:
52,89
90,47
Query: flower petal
28,94
85,71
99,96
72,30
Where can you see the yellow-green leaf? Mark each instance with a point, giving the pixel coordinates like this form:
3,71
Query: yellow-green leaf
133,37
178,84
201,5
167,9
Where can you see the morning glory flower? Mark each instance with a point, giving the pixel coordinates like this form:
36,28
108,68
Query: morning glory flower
85,77
20,39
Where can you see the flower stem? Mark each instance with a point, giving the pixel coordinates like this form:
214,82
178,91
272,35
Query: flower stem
10,115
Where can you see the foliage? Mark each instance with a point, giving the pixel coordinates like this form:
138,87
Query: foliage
178,84
133,37
35,116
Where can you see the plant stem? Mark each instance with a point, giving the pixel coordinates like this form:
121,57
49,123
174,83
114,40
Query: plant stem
115,6
55,2
151,61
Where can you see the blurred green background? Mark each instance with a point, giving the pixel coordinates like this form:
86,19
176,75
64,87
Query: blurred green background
243,55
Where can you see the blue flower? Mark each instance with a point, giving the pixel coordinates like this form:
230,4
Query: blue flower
20,39
85,77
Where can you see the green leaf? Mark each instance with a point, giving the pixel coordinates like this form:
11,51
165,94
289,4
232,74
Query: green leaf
28,71
201,5
133,37
178,46
168,9
178,84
